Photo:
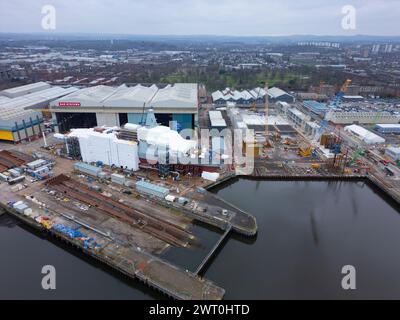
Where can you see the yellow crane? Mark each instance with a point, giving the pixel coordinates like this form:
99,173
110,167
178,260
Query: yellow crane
254,104
267,144
346,85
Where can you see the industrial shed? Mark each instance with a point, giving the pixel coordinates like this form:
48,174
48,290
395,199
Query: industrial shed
248,97
175,105
276,94
104,146
26,89
393,152
316,107
20,109
387,128
364,134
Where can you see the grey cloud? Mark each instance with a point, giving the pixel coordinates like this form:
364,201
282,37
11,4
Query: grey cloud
221,17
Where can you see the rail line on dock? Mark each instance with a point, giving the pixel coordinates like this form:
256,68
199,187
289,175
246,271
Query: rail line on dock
138,265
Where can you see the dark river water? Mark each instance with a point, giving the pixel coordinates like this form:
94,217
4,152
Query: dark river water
307,232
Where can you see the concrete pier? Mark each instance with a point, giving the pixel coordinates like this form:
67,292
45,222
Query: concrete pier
137,264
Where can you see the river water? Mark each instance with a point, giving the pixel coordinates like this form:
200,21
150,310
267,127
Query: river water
307,232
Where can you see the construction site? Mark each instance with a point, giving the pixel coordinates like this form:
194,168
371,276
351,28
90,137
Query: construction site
115,192
129,224
289,141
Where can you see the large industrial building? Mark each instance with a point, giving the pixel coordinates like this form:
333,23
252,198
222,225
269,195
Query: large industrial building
174,105
364,135
317,108
246,98
365,112
388,128
276,94
103,145
123,147
393,152
298,118
20,109
361,117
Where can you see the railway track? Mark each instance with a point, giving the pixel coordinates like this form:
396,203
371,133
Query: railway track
10,160
161,229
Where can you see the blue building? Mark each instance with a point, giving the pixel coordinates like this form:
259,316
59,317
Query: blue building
388,128
316,107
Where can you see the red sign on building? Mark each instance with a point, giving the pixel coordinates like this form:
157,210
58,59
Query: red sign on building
69,104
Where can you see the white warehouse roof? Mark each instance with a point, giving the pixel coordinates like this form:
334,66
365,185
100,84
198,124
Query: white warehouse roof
388,125
4,99
217,95
135,96
87,97
16,109
179,96
394,150
23,90
365,135
215,114
276,92
33,99
256,93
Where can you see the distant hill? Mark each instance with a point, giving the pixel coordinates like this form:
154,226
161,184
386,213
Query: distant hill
199,38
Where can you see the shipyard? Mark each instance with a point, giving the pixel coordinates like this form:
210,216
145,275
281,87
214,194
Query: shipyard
114,191
199,151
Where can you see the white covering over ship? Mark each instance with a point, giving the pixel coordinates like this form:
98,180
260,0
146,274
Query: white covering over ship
107,148
102,144
153,143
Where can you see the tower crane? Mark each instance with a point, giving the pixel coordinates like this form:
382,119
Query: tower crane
254,104
267,142
336,103
341,93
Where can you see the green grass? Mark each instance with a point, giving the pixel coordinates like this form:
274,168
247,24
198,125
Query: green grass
172,79
272,79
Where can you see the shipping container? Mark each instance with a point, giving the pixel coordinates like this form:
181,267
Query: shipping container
117,178
36,164
152,189
16,180
87,168
14,173
103,175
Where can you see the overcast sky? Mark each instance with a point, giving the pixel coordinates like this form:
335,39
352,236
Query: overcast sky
213,17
